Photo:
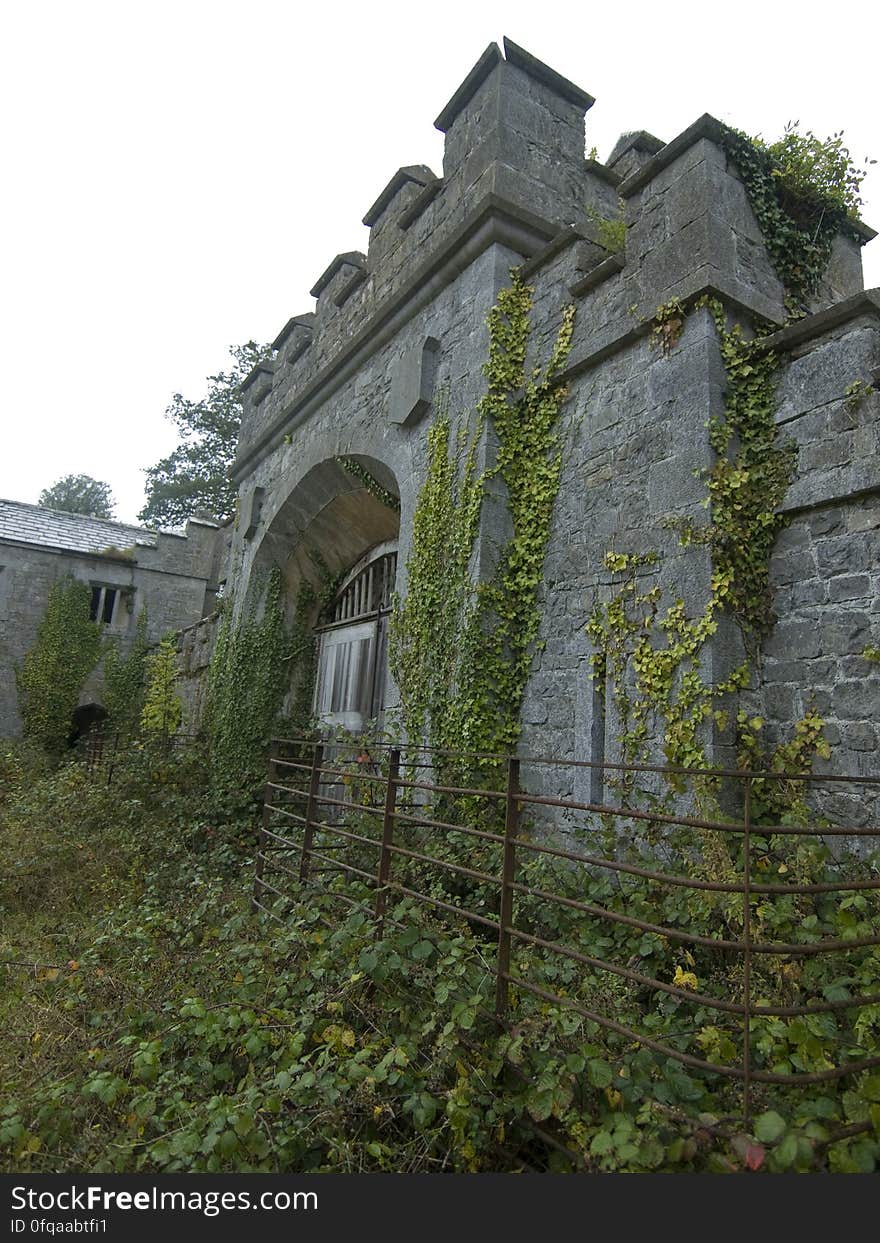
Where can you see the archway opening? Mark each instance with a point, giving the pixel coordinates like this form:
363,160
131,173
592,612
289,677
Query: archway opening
334,540
86,719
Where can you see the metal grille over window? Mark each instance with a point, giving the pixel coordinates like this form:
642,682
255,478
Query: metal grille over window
369,591
353,660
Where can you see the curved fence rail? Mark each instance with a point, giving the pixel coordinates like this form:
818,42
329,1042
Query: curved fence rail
396,820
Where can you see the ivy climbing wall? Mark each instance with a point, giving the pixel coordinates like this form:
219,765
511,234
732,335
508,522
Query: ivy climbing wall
636,400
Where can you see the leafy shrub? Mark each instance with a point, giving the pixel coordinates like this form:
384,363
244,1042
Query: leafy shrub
173,1030
815,171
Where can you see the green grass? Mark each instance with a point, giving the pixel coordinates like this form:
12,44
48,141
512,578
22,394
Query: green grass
159,1026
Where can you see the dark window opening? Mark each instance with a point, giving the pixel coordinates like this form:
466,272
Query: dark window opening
86,719
103,604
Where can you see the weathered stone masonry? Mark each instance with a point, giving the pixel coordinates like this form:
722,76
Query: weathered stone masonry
361,375
174,576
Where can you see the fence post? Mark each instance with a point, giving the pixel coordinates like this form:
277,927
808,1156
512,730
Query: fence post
311,806
111,766
264,825
505,918
384,870
747,956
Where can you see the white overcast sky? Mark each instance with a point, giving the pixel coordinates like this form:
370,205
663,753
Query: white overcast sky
177,175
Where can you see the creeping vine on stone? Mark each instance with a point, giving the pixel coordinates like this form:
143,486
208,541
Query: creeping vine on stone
353,467
803,192
461,652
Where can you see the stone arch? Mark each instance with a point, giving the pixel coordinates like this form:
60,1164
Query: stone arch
329,525
328,516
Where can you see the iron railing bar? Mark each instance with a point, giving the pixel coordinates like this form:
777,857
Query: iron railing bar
622,813
273,785
453,828
462,791
556,762
287,843
444,906
443,863
264,824
600,912
354,774
729,1007
345,866
353,837
271,863
265,885
304,768
730,1072
831,830
266,911
335,802
685,881
819,1076
772,947
629,868
635,976
291,815
823,887
626,813
688,1059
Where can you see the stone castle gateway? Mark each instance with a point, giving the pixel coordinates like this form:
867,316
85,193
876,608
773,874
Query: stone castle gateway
359,377
333,451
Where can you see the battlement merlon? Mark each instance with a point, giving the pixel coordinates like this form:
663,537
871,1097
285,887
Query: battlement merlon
515,127
515,174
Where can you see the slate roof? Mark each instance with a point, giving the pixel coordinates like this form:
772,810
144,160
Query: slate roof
52,528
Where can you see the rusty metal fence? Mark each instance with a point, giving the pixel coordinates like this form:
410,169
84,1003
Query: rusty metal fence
392,821
101,751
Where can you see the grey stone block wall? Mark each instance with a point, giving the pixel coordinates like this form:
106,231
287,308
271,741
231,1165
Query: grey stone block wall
826,565
195,645
517,190
176,581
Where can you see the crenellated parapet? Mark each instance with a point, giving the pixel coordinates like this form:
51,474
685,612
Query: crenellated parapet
514,171
515,174
336,444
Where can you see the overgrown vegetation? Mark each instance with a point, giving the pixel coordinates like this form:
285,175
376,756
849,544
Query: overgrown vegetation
248,676
427,624
355,468
461,653
125,677
609,231
162,711
67,648
803,191
152,1024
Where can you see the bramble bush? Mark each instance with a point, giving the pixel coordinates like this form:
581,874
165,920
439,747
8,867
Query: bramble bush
160,1026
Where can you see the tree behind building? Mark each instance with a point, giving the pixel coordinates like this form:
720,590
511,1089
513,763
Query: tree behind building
80,494
195,476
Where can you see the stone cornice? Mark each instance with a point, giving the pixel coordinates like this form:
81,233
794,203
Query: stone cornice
469,87
865,303
705,126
